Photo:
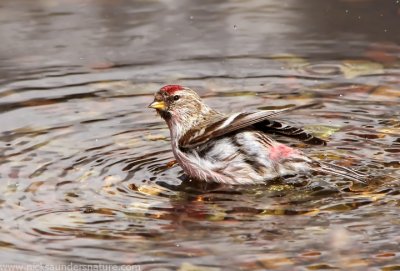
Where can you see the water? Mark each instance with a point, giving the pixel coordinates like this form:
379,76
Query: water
85,172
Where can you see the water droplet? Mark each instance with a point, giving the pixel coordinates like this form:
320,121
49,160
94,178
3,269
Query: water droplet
191,17
347,11
234,26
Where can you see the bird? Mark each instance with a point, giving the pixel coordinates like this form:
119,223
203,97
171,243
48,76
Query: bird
236,149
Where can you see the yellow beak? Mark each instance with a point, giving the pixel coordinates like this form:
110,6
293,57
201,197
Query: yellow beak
158,105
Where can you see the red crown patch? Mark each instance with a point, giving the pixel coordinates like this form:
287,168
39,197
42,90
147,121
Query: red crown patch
170,89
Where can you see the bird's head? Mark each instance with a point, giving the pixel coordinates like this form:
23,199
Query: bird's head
176,102
179,105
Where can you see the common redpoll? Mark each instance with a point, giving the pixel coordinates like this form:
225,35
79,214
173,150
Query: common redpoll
237,148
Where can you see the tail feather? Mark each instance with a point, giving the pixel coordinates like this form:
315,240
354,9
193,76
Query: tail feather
340,171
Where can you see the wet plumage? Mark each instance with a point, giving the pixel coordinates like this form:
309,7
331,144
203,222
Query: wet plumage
236,148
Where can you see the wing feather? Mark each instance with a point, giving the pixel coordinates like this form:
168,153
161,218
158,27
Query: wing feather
257,120
226,125
275,127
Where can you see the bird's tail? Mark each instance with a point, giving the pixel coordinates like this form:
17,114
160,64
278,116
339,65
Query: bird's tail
340,171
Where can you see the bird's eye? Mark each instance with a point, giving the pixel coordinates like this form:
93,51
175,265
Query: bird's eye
176,97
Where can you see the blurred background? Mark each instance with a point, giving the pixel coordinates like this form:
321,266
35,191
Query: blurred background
85,172
185,37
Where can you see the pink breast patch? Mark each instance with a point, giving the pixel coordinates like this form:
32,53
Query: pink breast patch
280,152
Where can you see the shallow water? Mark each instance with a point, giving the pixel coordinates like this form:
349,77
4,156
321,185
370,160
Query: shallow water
85,172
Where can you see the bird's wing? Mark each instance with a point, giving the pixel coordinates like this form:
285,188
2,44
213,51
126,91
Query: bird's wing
275,127
228,124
